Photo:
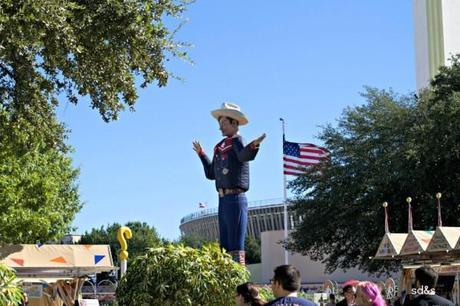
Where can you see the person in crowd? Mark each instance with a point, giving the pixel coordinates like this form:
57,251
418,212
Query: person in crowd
424,293
247,294
285,285
331,300
369,294
348,292
25,299
402,299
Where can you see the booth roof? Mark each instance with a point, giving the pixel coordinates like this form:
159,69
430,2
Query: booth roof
444,239
54,260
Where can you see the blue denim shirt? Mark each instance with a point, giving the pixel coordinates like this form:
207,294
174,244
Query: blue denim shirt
229,166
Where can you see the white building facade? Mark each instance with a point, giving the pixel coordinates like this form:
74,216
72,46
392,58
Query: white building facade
436,35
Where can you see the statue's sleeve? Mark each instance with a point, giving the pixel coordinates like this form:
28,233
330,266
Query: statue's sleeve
244,153
208,166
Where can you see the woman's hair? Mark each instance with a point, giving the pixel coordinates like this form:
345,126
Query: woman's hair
372,293
250,294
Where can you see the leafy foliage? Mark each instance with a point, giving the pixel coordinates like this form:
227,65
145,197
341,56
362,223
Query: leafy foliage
179,275
390,148
144,237
194,241
266,293
252,246
38,190
10,293
253,250
83,48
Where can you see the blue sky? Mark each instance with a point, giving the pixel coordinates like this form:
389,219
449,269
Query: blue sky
304,61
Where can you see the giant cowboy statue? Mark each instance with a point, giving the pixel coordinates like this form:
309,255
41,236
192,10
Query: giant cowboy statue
229,167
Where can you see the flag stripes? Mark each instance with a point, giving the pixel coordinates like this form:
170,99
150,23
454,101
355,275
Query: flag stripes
298,156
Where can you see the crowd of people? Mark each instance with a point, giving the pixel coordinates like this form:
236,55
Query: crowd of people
286,283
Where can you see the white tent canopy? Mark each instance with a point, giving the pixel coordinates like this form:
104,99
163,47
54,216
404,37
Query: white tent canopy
56,260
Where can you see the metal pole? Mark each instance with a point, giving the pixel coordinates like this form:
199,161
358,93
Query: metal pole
286,261
123,266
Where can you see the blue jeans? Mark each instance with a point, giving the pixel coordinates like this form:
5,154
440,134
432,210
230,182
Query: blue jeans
233,221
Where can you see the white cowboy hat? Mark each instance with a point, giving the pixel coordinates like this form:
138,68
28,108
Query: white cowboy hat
232,111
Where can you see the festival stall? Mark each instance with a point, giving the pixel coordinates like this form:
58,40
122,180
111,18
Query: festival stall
439,249
54,274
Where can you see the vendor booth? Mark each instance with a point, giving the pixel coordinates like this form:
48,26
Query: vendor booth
439,249
421,248
54,274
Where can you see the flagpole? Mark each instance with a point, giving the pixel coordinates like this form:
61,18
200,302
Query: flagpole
285,204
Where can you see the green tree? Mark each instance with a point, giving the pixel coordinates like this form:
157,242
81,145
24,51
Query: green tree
50,48
385,150
38,190
252,248
10,293
83,48
144,237
179,275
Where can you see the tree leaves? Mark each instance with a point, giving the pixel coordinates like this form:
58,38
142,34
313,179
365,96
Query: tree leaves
392,147
10,292
38,190
84,48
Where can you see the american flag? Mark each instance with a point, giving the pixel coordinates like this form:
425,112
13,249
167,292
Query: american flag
297,156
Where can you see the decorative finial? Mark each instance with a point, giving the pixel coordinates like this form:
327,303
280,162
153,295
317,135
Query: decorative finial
409,215
387,228
124,233
438,196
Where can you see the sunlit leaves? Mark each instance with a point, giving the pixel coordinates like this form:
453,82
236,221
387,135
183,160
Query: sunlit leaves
179,275
10,292
84,48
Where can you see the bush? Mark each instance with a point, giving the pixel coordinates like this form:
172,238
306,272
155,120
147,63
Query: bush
10,293
266,293
179,275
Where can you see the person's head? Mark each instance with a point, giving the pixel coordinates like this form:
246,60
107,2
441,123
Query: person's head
349,293
248,294
230,117
228,126
426,276
368,294
286,280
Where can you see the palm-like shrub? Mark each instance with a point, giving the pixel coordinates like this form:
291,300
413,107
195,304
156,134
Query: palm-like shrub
179,275
10,293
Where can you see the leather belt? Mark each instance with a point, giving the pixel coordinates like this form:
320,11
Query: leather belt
226,191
